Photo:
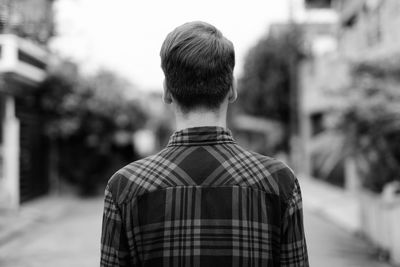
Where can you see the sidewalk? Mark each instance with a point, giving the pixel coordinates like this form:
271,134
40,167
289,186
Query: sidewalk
332,222
44,209
337,205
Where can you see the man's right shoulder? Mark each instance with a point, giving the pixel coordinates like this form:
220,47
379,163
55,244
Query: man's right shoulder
136,178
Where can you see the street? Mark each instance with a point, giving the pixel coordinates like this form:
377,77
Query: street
73,240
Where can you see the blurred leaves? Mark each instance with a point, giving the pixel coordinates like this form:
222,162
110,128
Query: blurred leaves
90,121
264,87
94,104
368,128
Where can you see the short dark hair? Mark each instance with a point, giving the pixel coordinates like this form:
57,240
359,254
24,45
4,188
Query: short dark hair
198,63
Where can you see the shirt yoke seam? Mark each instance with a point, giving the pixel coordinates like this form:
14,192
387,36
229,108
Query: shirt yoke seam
125,201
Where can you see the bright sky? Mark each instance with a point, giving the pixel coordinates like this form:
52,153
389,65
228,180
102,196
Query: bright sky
126,35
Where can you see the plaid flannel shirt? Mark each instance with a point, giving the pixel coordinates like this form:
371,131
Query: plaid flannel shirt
203,201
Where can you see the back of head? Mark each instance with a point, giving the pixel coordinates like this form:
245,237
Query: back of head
198,63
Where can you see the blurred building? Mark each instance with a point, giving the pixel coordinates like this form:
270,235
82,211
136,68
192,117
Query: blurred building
317,22
25,28
369,28
352,31
369,35
320,73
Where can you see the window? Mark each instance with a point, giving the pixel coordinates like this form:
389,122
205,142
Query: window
28,59
317,123
318,3
350,21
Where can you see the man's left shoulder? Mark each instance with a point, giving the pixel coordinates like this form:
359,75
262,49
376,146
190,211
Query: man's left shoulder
272,164
279,171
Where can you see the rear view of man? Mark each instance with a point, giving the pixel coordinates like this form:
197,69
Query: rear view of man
203,200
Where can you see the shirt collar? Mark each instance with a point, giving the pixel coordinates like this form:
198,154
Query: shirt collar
207,135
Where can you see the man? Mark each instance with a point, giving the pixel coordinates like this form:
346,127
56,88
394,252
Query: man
203,200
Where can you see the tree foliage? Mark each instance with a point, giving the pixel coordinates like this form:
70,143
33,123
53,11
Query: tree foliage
264,87
90,121
368,128
74,103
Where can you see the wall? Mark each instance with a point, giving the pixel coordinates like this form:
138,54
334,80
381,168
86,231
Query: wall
369,28
31,19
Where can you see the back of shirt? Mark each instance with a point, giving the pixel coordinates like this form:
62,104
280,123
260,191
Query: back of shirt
203,201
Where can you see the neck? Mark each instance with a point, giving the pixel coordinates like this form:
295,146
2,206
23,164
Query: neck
200,119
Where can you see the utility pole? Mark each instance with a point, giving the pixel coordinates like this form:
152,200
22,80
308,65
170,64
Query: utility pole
293,85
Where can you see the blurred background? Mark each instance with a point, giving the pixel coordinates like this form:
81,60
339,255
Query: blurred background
80,97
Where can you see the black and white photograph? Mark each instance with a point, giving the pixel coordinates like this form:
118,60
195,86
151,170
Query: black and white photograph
209,133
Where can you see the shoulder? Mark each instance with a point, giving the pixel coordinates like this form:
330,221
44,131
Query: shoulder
135,178
284,177
277,173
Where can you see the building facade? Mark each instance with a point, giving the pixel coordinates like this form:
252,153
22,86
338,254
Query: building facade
25,28
369,28
317,22
364,31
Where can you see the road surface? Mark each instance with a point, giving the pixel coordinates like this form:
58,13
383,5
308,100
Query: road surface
73,240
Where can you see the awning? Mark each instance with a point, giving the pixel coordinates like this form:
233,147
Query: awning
22,58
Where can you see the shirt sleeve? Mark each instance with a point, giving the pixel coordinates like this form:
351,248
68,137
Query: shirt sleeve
114,244
293,242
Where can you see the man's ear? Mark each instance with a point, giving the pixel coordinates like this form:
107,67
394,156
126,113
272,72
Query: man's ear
232,94
167,96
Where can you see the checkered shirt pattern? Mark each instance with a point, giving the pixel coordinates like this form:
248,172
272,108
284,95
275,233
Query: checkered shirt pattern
203,201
